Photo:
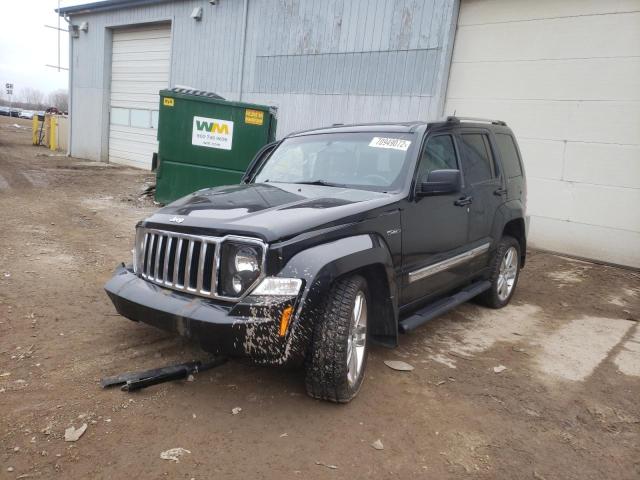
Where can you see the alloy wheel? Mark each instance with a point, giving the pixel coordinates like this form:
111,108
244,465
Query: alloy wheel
508,273
356,342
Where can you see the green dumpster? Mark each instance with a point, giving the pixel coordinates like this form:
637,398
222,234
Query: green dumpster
206,141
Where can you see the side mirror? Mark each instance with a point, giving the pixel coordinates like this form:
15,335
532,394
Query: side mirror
439,182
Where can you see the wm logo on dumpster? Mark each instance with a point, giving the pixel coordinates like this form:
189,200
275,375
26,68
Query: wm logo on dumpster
212,133
213,127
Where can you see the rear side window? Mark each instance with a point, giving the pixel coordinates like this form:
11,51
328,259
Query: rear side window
477,164
438,154
509,155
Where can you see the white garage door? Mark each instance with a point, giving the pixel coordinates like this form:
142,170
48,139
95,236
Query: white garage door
565,75
139,69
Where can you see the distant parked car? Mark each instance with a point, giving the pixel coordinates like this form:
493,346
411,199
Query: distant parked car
26,114
15,113
5,111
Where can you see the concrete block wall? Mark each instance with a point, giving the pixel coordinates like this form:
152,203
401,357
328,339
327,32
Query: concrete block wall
565,75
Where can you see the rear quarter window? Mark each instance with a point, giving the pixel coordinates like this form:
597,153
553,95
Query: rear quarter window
477,164
509,154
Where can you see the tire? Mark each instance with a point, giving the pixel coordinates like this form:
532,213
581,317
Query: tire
336,340
500,293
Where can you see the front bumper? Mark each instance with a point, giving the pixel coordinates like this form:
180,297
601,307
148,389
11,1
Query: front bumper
248,329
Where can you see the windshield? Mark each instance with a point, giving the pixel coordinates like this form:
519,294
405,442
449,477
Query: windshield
374,160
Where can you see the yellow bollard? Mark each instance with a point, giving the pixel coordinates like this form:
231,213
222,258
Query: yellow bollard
34,125
53,134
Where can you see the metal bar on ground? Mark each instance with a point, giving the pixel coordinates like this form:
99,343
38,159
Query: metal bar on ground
132,381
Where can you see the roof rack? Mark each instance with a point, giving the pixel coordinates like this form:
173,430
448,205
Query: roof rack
412,125
454,119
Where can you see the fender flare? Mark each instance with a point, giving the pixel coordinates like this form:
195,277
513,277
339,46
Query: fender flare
321,265
512,210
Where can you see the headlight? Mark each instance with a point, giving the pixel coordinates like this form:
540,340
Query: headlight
277,286
246,260
240,267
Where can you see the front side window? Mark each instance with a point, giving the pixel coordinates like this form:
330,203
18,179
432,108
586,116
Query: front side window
477,165
374,161
438,154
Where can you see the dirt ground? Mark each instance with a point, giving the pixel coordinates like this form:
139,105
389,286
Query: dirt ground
567,406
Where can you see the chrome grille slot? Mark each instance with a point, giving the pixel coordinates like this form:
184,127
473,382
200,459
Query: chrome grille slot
184,262
178,261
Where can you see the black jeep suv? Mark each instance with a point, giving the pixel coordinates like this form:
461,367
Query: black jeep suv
336,238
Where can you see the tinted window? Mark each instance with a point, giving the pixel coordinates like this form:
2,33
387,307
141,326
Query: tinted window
509,155
477,164
438,154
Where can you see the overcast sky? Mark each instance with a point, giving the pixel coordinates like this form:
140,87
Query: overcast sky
26,45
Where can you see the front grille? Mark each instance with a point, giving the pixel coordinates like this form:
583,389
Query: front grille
178,261
188,263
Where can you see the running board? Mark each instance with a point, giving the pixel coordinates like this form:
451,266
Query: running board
442,306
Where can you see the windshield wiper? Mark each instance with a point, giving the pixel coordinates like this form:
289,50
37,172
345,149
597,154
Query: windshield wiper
322,182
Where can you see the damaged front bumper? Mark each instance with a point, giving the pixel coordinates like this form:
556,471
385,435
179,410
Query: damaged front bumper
250,328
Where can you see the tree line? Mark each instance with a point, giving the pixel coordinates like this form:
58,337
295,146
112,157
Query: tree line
33,99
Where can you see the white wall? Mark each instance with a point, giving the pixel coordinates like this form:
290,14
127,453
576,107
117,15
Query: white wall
565,75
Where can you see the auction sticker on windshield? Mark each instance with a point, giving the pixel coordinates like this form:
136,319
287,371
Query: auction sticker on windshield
395,143
212,133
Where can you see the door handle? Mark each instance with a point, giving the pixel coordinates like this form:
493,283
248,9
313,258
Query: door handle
500,191
462,201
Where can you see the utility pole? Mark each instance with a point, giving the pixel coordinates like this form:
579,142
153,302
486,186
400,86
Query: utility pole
58,36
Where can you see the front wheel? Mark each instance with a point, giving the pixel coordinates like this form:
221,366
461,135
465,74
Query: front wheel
504,274
338,353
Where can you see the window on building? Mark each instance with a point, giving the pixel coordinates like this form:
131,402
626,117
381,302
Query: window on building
120,116
141,118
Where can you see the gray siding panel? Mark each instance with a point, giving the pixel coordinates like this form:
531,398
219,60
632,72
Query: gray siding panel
318,62
344,73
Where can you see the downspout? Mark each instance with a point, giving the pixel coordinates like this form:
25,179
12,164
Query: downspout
448,58
243,48
70,106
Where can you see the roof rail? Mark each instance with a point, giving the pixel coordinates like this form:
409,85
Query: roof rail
454,119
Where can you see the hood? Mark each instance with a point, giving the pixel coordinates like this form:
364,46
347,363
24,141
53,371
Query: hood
272,211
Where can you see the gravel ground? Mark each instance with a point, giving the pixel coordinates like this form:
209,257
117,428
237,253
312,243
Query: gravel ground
565,407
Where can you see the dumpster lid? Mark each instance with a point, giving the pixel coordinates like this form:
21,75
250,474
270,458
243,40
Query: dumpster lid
189,91
212,97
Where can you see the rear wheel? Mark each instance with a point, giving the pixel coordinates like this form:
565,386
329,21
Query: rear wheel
504,274
338,353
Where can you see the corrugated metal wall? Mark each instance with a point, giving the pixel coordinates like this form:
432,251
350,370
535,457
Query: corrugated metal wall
319,62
